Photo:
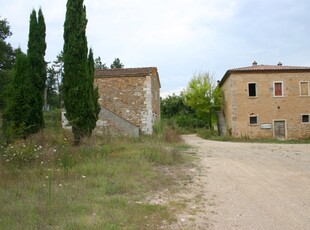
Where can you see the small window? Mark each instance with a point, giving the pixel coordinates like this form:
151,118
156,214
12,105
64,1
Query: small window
253,120
305,118
252,89
278,89
304,88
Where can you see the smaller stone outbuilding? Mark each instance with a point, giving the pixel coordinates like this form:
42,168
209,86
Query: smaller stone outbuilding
129,99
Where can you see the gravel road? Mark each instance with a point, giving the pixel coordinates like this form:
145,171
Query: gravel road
247,186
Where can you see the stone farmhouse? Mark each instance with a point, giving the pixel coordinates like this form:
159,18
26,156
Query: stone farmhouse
267,101
129,100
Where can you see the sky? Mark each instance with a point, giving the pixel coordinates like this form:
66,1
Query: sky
179,37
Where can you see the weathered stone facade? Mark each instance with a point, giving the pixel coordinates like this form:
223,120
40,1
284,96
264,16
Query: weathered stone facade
263,101
130,93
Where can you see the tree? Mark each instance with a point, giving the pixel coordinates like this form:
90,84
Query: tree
204,97
7,58
173,106
93,93
18,117
117,64
99,65
35,54
78,93
53,82
52,88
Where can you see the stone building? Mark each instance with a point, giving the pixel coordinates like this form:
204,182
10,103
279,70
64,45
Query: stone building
267,101
129,100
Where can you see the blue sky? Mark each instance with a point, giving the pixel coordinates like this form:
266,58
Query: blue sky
179,37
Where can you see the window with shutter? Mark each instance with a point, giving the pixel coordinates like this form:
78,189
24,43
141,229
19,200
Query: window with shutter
278,89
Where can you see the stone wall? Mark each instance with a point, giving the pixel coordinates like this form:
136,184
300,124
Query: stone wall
135,98
110,124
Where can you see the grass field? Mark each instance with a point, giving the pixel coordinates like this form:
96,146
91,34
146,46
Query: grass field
47,183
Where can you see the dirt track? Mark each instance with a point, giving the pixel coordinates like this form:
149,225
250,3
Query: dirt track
247,186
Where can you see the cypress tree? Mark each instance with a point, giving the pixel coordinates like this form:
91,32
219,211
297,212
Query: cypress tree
41,53
77,92
93,93
23,114
18,116
35,54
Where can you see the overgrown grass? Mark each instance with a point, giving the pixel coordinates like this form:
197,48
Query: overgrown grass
46,183
212,135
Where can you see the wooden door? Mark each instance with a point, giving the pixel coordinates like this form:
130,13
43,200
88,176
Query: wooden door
279,129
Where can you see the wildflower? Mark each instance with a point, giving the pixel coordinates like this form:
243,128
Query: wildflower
44,185
41,162
54,150
46,177
60,185
83,176
65,139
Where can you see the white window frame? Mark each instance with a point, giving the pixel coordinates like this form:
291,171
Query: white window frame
253,124
305,114
256,94
274,88
308,88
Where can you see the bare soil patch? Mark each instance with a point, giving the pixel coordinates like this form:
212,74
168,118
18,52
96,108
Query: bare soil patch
244,186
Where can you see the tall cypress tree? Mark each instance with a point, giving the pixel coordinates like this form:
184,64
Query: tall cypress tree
93,93
23,114
78,101
35,54
41,54
18,114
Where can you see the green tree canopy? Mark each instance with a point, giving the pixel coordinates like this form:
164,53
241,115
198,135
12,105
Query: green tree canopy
99,65
7,57
203,95
117,64
174,105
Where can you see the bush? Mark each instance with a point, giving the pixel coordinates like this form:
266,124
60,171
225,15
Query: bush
167,131
190,122
207,133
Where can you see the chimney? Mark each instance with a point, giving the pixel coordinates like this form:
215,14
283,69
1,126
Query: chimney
254,63
280,63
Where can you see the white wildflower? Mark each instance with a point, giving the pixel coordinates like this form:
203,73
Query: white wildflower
83,176
60,185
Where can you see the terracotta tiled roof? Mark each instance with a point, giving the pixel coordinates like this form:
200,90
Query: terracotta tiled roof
264,68
268,68
123,72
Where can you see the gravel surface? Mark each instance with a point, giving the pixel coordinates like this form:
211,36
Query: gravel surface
246,186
